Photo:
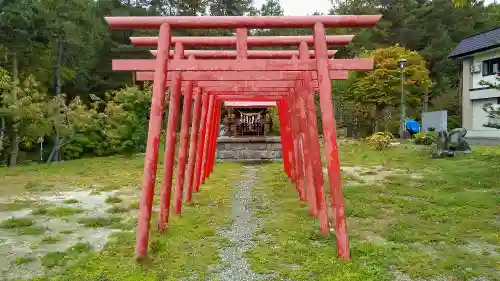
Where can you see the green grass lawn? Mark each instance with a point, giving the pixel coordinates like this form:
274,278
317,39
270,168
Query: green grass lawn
442,225
188,249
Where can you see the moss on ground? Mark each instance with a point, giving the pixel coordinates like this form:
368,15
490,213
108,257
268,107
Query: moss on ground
416,228
56,211
17,223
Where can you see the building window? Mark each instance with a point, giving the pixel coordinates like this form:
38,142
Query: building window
491,67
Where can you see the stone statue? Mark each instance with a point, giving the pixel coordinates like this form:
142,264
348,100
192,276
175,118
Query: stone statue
458,142
448,143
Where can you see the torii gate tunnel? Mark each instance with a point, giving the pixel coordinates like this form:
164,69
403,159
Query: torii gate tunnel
288,77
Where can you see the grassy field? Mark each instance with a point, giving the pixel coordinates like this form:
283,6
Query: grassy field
187,250
409,218
423,219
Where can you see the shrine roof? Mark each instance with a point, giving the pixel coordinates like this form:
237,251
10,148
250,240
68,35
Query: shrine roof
255,104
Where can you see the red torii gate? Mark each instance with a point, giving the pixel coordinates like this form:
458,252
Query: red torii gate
295,103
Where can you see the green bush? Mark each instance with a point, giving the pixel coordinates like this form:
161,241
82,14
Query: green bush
119,125
426,138
380,140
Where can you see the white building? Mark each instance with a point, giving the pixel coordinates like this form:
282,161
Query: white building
480,56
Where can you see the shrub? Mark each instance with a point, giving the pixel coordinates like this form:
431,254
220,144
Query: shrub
426,138
380,140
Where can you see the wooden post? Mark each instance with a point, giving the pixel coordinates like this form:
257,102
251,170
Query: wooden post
201,142
183,147
193,144
314,147
153,143
170,141
332,156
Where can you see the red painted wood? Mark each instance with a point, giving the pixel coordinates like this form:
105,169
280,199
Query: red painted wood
249,105
183,148
242,75
246,65
288,135
284,145
231,22
201,142
195,124
245,95
216,134
261,41
213,131
207,139
241,43
305,149
246,83
332,156
253,54
153,143
317,166
252,90
299,164
229,97
250,84
170,142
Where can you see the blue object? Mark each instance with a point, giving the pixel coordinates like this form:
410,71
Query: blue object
413,126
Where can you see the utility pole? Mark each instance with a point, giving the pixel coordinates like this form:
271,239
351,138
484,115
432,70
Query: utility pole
402,121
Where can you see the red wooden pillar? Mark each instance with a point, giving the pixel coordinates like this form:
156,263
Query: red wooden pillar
207,138
299,168
193,144
210,135
304,147
201,142
216,135
288,136
208,169
170,141
153,142
332,156
183,147
317,167
284,144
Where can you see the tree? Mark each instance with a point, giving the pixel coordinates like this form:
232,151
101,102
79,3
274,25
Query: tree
24,28
271,8
230,7
24,106
492,111
381,87
66,120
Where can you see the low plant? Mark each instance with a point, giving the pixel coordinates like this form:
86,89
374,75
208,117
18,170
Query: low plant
99,221
31,230
426,138
380,140
113,199
57,211
50,239
17,223
70,201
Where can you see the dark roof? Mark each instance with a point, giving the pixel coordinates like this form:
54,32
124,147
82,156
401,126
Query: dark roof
477,43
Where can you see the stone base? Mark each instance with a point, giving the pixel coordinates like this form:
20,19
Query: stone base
256,148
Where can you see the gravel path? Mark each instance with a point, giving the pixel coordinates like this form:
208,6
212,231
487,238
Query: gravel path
234,265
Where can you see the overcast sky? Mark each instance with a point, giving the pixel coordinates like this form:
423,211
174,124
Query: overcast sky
301,7
308,7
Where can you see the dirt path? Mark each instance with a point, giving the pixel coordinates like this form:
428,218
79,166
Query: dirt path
234,266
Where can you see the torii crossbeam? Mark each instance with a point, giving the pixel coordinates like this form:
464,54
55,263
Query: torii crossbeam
288,78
